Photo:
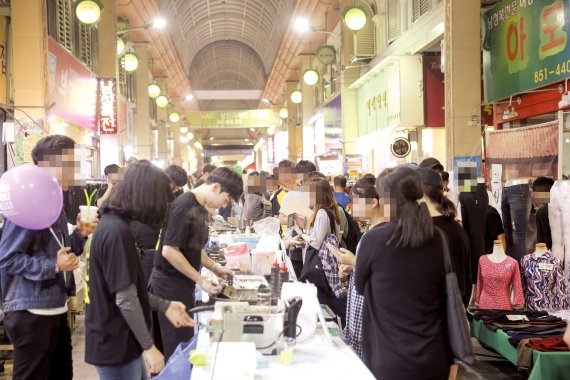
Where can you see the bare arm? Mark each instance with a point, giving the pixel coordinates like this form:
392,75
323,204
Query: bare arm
178,261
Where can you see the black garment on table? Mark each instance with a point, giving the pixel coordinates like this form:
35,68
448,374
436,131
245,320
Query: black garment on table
403,327
187,230
543,234
459,252
113,264
473,214
42,345
500,315
526,327
493,228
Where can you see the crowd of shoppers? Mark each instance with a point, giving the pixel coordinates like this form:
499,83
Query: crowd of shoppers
145,253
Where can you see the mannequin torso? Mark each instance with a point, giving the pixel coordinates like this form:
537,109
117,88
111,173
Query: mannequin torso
540,249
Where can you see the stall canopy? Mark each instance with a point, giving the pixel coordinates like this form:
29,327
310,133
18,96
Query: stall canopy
525,152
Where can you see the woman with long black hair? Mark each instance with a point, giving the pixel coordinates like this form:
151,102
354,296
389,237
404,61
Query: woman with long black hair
400,272
119,308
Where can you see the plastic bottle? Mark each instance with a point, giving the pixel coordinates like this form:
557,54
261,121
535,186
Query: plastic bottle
275,289
283,276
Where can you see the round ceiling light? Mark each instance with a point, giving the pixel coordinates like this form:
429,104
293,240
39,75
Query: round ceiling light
174,117
271,130
283,113
311,77
354,18
153,90
190,136
162,101
131,61
88,11
183,130
120,46
296,96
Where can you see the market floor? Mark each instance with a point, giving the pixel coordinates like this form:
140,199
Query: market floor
488,365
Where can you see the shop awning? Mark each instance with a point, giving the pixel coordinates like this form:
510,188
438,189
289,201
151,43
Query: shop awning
528,142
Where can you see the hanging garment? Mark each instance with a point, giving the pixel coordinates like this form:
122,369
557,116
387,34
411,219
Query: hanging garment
545,284
559,215
516,204
495,281
474,212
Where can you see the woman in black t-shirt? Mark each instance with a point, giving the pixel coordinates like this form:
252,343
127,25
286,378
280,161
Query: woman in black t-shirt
400,272
118,306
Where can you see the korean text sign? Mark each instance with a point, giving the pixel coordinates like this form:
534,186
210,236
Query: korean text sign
107,106
525,46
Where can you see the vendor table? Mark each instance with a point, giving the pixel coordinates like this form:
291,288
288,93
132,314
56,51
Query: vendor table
546,365
316,358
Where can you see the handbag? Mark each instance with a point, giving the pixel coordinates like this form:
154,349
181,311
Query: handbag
458,333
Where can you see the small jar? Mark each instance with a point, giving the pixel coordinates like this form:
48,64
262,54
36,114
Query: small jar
264,296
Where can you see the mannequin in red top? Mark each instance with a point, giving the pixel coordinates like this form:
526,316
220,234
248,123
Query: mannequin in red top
498,274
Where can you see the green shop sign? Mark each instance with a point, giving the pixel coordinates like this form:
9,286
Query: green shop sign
234,119
524,46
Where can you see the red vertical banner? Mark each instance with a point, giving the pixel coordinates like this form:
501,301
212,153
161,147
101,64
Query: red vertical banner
107,106
434,92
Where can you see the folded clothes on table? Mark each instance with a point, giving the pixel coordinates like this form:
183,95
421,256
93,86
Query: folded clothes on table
526,346
528,327
516,336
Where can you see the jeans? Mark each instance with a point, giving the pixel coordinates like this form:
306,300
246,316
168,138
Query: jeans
173,288
42,345
474,214
559,217
135,370
516,204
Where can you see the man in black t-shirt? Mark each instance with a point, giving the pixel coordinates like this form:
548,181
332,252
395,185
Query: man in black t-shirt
176,270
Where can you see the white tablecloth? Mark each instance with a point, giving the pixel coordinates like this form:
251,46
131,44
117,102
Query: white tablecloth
316,358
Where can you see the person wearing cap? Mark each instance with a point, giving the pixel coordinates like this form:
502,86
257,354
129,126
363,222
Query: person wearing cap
432,163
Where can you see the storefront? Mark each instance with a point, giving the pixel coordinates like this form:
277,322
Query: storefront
390,109
72,90
526,63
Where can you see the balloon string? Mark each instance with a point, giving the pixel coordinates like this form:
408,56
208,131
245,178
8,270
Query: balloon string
56,238
61,246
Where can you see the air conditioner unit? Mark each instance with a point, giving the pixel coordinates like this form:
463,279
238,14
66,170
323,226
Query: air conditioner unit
365,42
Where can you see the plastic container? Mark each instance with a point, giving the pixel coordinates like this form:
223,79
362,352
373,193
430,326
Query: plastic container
250,239
275,283
88,214
261,262
264,296
237,256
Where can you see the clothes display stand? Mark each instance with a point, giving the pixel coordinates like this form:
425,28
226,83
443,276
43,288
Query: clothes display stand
498,275
516,206
473,214
546,287
559,217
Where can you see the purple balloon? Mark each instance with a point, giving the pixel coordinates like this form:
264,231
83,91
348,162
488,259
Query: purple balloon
30,197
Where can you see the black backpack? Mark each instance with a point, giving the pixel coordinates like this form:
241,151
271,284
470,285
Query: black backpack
353,237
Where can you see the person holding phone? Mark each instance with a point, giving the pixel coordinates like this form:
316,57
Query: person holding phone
366,206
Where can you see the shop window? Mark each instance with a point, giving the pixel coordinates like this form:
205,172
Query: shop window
392,20
62,22
420,8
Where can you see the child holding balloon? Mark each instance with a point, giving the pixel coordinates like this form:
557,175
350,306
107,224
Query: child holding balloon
37,259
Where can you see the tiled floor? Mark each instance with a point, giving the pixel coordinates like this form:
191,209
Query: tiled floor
488,365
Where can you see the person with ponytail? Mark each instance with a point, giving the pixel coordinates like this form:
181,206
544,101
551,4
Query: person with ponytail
400,271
